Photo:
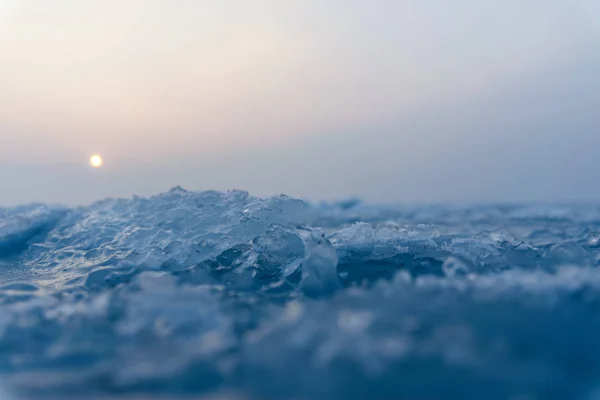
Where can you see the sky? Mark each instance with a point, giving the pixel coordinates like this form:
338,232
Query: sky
386,100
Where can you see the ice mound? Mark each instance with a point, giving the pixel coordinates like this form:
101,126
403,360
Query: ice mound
208,293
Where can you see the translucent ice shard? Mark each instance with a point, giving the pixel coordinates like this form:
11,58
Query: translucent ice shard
319,268
279,252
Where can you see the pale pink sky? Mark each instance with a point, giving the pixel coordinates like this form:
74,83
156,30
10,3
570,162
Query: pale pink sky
235,88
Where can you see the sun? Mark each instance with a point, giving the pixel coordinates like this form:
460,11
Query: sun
96,161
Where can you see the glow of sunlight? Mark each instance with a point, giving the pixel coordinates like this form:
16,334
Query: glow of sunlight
96,161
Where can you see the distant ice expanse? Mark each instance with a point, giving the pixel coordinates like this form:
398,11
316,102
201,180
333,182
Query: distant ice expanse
222,295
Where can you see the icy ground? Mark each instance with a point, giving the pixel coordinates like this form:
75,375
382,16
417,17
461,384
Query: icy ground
229,295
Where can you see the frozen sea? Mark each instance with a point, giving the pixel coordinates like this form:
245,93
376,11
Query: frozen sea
211,295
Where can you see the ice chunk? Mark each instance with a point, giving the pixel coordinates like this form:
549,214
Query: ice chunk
18,230
279,252
319,269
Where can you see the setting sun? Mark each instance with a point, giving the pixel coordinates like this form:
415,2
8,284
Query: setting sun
96,161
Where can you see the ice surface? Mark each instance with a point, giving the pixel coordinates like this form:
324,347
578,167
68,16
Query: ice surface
207,293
